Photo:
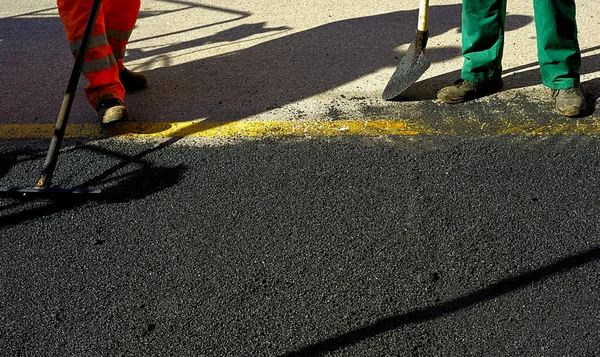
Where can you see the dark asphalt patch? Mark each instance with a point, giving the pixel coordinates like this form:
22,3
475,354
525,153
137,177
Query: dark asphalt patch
349,246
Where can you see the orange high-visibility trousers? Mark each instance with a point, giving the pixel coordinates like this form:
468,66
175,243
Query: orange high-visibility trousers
106,49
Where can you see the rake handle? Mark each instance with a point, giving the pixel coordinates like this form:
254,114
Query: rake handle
63,116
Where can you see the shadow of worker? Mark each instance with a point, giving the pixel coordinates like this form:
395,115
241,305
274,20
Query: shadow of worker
288,69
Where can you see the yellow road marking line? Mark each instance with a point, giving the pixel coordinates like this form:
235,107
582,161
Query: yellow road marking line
212,129
207,129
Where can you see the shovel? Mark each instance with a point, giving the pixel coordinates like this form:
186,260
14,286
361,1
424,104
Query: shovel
43,186
414,63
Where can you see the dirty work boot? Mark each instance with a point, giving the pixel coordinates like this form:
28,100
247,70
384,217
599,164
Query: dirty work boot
111,110
570,102
463,90
132,81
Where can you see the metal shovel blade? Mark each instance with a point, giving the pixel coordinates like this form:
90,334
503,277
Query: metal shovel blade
409,70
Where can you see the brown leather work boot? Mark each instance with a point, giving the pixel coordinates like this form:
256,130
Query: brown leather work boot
463,91
570,102
111,110
132,81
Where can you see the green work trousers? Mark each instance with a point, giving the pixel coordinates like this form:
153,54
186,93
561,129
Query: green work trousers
556,29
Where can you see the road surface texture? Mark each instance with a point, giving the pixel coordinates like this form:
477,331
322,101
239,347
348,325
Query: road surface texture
265,201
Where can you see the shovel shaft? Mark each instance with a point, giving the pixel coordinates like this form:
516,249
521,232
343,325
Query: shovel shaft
423,15
421,41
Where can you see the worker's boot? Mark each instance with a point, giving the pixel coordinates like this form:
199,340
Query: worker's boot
569,102
111,110
132,81
463,91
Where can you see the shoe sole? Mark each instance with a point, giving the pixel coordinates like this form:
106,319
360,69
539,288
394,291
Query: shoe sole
451,100
570,112
114,114
448,100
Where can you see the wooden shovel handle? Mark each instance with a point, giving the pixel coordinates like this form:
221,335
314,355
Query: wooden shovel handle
423,15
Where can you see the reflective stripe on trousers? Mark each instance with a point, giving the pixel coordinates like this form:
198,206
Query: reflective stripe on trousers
102,63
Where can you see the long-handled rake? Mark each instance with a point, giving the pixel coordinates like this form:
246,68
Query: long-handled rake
43,184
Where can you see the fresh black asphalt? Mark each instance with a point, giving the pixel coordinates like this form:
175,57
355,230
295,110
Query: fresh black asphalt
351,246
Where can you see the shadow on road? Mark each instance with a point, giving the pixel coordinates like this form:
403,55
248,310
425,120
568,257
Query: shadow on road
221,89
118,186
239,84
234,85
285,70
490,292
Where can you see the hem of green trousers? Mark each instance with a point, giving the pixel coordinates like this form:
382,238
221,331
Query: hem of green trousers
562,85
479,78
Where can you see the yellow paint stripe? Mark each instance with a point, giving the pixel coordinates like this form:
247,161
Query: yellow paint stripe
212,129
207,129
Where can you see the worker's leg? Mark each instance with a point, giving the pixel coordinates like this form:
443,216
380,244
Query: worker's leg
482,48
483,39
120,18
558,53
558,48
100,67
